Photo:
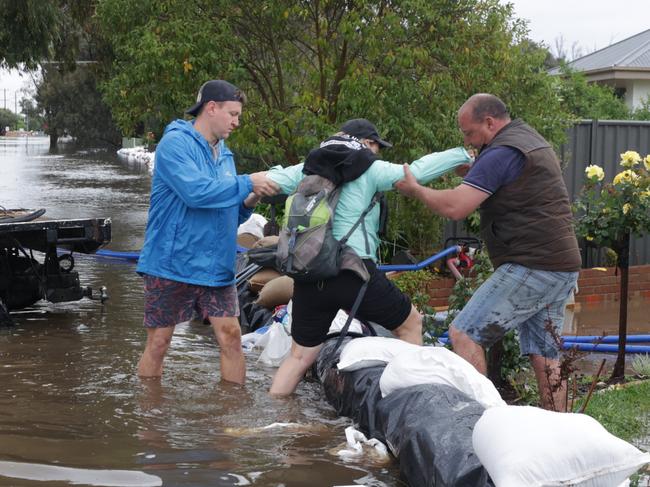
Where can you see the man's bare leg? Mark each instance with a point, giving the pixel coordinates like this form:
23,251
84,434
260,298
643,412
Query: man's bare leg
293,369
552,390
151,362
467,348
411,330
228,334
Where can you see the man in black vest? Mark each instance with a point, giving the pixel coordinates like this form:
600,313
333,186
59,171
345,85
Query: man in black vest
526,222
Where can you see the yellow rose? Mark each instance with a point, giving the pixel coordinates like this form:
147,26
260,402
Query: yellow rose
625,176
646,162
626,208
589,238
595,171
630,158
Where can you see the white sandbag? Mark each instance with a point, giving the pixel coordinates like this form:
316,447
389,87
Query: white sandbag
277,345
339,322
254,225
438,365
524,445
371,351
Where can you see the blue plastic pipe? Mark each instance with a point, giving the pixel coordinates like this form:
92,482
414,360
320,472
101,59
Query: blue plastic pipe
605,339
592,347
421,265
606,348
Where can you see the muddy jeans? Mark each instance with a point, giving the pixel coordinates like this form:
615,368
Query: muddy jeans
530,300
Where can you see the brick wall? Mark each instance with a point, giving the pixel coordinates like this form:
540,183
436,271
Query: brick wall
594,284
601,285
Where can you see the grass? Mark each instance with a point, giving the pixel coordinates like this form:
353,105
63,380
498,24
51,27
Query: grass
624,410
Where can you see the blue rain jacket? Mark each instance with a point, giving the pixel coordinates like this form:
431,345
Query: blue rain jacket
195,208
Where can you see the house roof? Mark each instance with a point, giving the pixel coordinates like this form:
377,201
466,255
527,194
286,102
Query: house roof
632,53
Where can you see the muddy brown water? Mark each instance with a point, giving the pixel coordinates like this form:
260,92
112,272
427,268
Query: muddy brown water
69,397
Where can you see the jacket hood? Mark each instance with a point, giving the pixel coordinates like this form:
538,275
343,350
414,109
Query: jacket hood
188,128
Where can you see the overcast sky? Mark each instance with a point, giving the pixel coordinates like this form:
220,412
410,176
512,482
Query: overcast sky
588,25
592,24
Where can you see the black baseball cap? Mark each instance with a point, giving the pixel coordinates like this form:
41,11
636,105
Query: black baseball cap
363,129
216,90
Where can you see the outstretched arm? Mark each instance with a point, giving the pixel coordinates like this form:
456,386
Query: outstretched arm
454,203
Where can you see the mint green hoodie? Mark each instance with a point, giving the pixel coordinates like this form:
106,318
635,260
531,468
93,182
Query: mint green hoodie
356,195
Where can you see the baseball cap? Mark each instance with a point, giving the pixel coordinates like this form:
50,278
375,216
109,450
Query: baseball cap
363,129
216,90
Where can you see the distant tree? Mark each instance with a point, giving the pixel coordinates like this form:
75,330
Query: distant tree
32,31
643,112
33,115
589,100
71,103
7,119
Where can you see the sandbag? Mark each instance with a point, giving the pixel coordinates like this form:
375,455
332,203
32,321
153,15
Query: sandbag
268,241
276,292
429,428
253,226
247,240
372,351
353,394
525,445
261,278
439,365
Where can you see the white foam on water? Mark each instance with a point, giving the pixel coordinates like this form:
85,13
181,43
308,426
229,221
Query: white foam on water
78,476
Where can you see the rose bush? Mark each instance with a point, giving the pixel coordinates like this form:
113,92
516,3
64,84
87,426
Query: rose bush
607,211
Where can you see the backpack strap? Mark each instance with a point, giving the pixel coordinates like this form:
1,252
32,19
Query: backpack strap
348,322
361,220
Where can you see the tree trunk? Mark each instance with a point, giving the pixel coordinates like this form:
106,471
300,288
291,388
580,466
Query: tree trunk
54,138
623,264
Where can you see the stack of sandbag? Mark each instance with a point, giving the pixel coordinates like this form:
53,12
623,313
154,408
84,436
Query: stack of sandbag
427,427
272,288
448,425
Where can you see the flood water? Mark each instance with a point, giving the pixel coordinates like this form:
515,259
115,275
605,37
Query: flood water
69,398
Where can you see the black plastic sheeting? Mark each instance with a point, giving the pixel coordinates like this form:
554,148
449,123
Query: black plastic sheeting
428,427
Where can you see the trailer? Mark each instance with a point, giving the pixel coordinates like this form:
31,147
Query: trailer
36,258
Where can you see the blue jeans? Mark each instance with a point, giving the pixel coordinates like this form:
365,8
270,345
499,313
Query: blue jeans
516,297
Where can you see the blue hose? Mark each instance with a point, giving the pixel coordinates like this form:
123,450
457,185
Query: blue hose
605,339
593,347
590,347
421,265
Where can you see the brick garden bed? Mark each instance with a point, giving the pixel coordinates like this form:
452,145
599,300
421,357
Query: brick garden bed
598,284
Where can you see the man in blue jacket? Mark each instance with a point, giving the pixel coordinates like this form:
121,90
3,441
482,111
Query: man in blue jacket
197,203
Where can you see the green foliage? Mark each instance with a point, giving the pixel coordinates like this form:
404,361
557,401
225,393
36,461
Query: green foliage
7,119
642,113
32,31
589,100
307,66
641,365
33,115
70,103
608,211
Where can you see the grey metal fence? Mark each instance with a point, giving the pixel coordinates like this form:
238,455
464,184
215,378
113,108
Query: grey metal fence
596,142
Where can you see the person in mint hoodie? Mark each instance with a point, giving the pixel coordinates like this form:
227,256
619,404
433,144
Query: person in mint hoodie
197,202
351,157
